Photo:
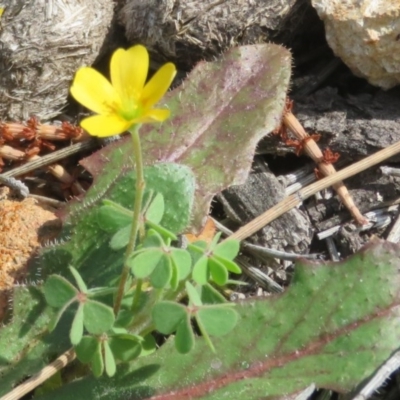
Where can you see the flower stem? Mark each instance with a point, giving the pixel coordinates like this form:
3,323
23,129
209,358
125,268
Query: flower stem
137,208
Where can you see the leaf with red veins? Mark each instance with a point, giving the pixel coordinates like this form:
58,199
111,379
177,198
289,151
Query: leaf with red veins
334,326
218,115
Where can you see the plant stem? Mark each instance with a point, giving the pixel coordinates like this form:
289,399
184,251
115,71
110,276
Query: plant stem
136,298
137,208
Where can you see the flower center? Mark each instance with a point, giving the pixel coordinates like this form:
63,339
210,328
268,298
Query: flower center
130,109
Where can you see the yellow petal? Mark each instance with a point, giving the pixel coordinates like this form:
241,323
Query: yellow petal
154,115
158,85
93,90
128,70
105,125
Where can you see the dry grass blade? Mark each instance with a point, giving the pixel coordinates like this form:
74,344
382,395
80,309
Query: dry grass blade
297,198
324,166
37,379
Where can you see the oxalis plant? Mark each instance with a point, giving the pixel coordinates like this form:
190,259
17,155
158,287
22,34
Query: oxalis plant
112,296
163,284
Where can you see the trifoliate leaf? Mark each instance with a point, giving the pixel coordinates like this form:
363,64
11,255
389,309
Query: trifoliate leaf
78,279
227,249
86,348
156,209
162,274
58,291
200,271
217,321
182,261
209,295
228,264
125,347
218,271
145,263
193,294
111,218
167,315
76,332
184,338
121,238
97,363
97,317
109,360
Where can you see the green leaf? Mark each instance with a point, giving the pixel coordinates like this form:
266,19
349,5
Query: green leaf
58,291
218,271
56,319
210,295
215,240
217,321
162,274
149,345
113,217
76,332
121,238
174,281
332,327
125,347
145,263
228,264
167,315
227,249
182,262
193,294
153,239
98,318
101,291
109,360
78,279
161,230
97,362
86,348
156,209
184,339
200,271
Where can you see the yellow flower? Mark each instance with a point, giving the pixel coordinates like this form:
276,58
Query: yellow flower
126,100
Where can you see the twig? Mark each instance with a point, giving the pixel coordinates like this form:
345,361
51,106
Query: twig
324,166
35,380
50,158
394,234
390,171
264,251
16,185
330,244
297,175
296,199
377,219
257,275
380,377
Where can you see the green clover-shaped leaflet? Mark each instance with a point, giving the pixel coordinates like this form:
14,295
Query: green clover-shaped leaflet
214,261
102,352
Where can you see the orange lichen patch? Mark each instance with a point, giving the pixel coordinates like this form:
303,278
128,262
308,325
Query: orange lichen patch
206,234
20,238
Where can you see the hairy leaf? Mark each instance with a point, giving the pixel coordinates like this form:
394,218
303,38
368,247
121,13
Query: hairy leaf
334,326
218,116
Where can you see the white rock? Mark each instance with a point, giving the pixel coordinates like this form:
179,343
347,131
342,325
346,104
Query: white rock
365,34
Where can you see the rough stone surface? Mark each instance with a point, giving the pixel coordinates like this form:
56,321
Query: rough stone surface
291,232
42,44
188,31
366,36
355,125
